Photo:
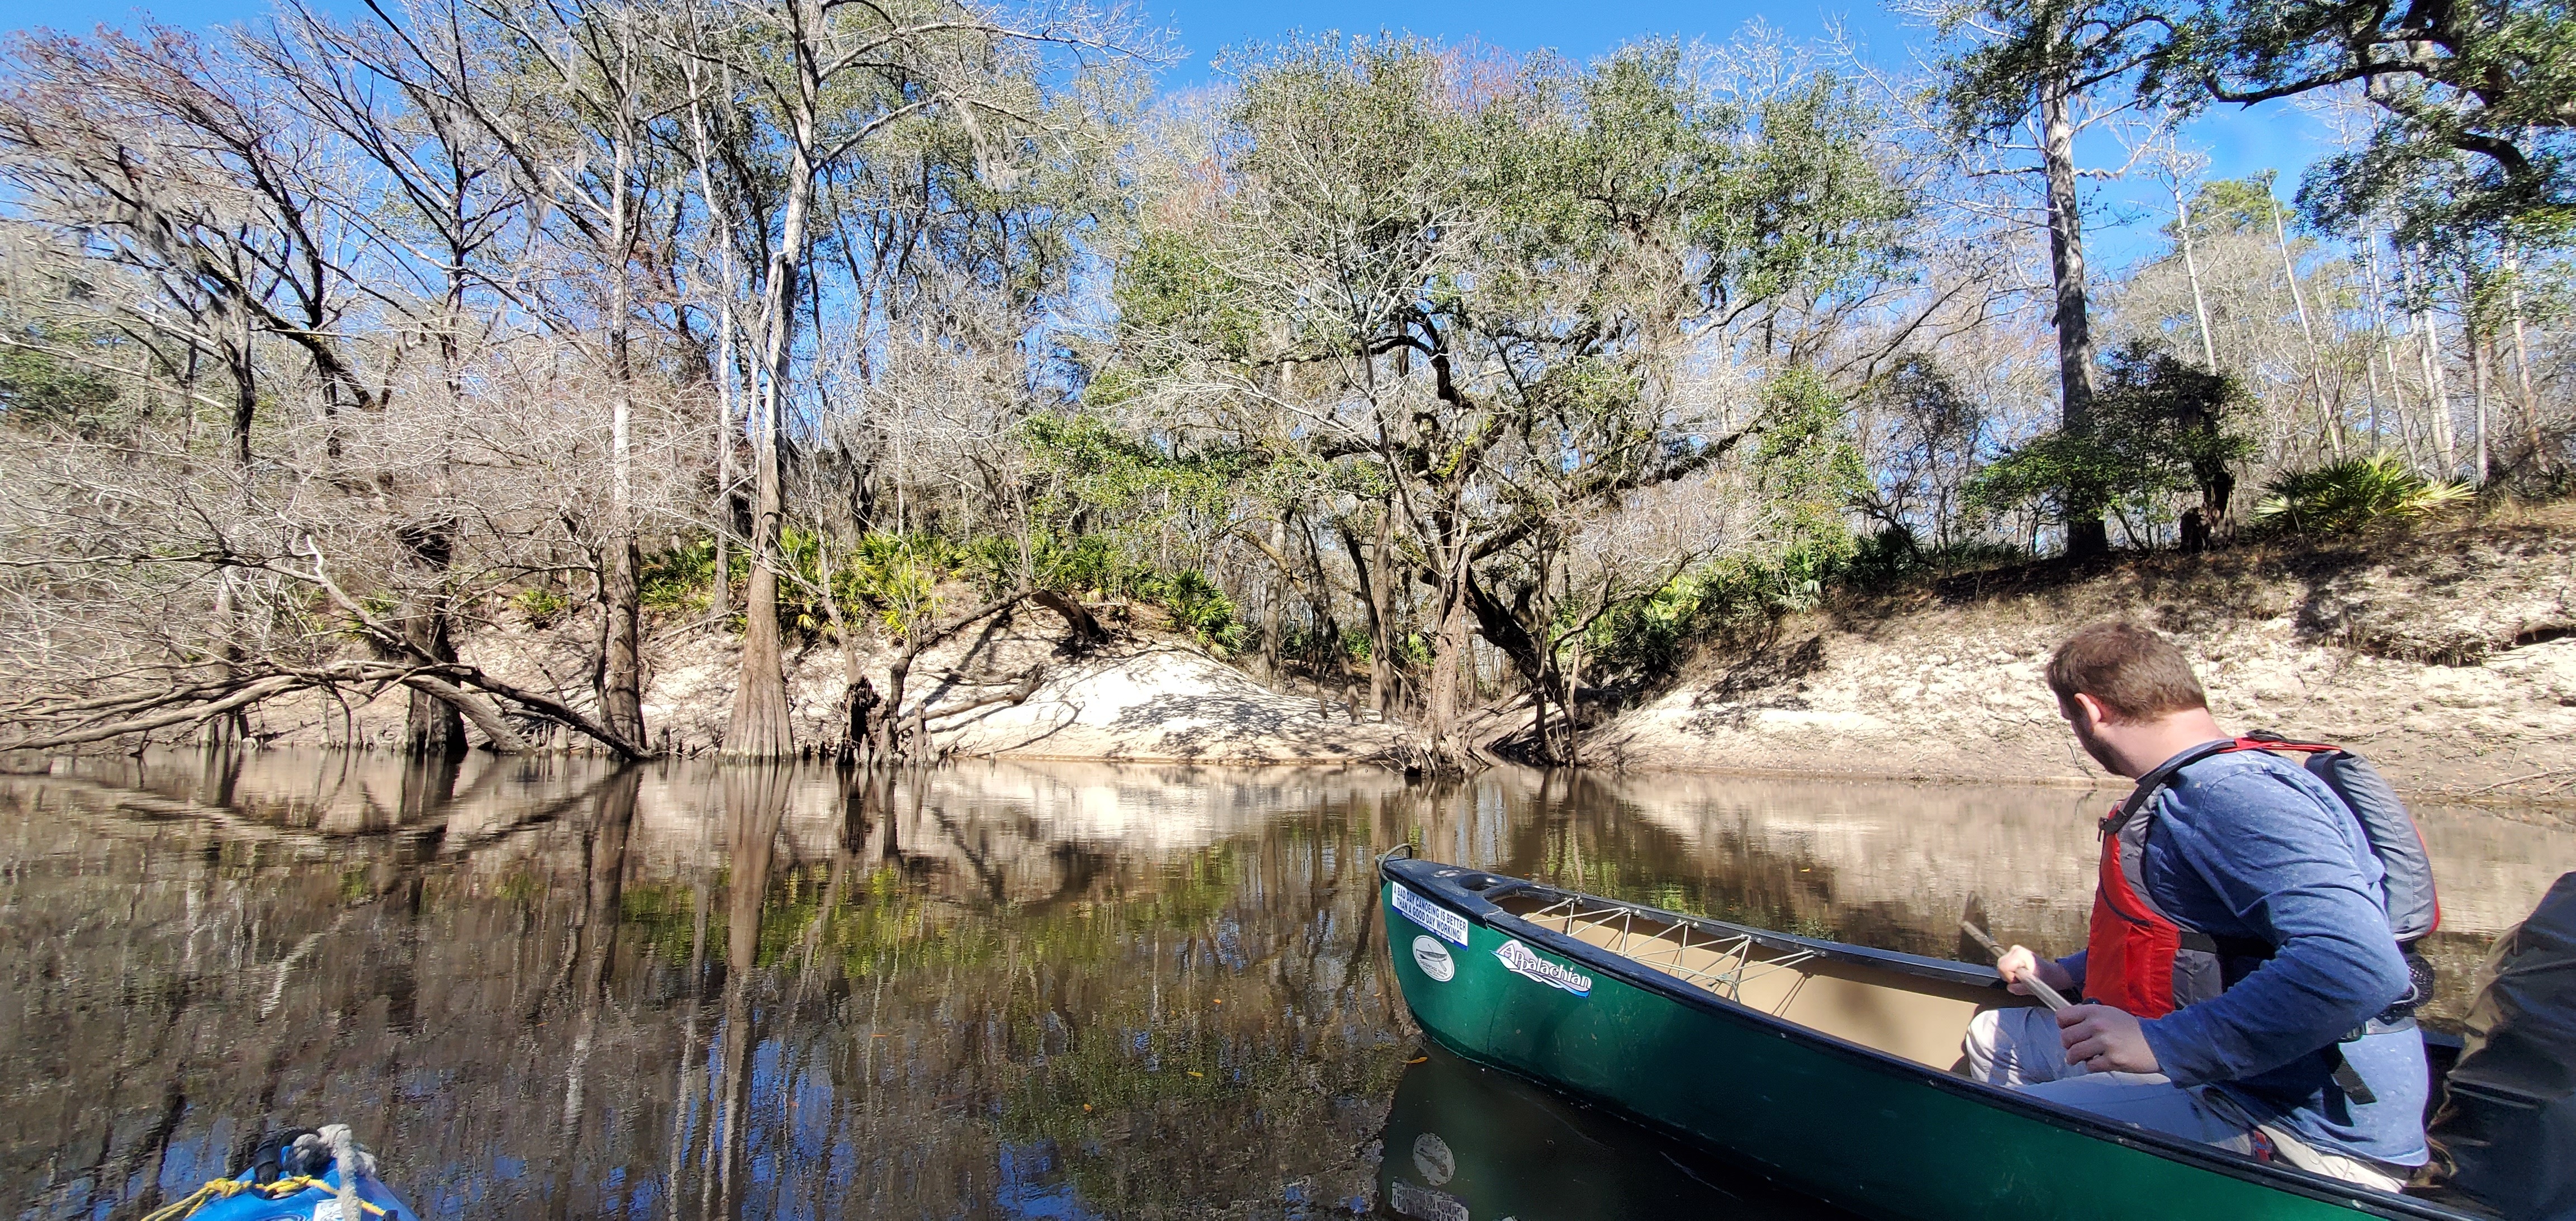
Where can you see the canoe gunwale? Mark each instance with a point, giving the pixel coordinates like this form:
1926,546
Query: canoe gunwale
1426,879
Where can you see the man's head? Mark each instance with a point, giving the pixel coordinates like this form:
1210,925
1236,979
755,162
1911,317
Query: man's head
2128,694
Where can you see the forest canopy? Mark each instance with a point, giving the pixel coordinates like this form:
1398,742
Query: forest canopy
1441,377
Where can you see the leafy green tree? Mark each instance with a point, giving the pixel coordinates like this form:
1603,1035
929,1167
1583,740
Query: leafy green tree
2165,427
1459,307
2493,81
1807,466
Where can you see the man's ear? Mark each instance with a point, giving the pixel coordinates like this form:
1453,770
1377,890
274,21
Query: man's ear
2095,713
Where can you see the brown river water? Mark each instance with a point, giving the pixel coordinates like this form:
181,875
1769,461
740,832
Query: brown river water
554,988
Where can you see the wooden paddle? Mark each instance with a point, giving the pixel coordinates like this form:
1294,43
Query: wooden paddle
2038,987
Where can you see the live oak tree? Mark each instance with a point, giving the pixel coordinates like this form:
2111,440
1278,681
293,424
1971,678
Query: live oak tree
1458,301
2491,81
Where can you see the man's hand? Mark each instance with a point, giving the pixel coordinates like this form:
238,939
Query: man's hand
2018,964
2105,1040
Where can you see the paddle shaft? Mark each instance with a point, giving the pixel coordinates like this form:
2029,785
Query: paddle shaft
2037,986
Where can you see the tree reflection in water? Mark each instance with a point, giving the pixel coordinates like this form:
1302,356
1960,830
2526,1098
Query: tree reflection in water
551,987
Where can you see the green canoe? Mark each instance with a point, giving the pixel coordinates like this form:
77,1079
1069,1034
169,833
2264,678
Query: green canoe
1825,1066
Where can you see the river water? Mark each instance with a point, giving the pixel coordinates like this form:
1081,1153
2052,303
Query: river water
554,988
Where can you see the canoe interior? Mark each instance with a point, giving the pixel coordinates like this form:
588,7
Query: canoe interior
1911,1016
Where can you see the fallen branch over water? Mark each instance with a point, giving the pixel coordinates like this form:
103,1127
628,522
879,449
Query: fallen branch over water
54,724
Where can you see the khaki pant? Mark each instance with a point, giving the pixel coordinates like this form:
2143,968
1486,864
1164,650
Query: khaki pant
2020,1048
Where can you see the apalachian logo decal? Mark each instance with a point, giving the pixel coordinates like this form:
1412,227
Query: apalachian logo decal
1522,960
1434,959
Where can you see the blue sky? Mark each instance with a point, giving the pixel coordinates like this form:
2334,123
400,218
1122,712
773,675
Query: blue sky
2272,137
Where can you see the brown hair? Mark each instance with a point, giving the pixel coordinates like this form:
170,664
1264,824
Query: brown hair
2136,673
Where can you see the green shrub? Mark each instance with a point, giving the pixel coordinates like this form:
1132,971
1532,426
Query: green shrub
1200,608
677,580
1885,556
1098,566
2350,494
542,607
897,577
1647,634
2161,429
1307,642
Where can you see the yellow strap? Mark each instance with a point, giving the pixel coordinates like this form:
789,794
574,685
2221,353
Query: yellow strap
217,1189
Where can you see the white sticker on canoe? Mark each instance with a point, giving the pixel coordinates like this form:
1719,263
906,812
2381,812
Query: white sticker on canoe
1425,1203
1434,959
1522,960
1430,915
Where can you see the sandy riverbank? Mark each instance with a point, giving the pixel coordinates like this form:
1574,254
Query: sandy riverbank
2446,657
1144,697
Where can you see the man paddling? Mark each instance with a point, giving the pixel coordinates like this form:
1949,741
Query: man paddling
2242,986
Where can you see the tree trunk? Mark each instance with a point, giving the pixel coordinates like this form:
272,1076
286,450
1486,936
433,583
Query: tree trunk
432,727
621,696
1382,645
2522,360
2387,355
1572,669
229,728
1538,720
1448,653
2191,268
891,726
2330,414
2479,381
2439,404
720,235
1083,632
621,701
1371,570
486,717
2085,532
760,726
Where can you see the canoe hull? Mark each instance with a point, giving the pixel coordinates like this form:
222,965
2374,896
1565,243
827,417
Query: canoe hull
1860,1129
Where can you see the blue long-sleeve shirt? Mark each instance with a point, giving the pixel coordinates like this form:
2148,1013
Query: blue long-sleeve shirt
2245,845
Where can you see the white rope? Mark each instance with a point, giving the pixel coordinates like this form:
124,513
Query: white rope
344,1151
1736,965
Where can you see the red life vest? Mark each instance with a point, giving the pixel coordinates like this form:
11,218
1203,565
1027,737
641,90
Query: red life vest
2141,960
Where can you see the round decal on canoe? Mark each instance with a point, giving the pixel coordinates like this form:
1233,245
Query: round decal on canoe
1434,959
1432,1157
